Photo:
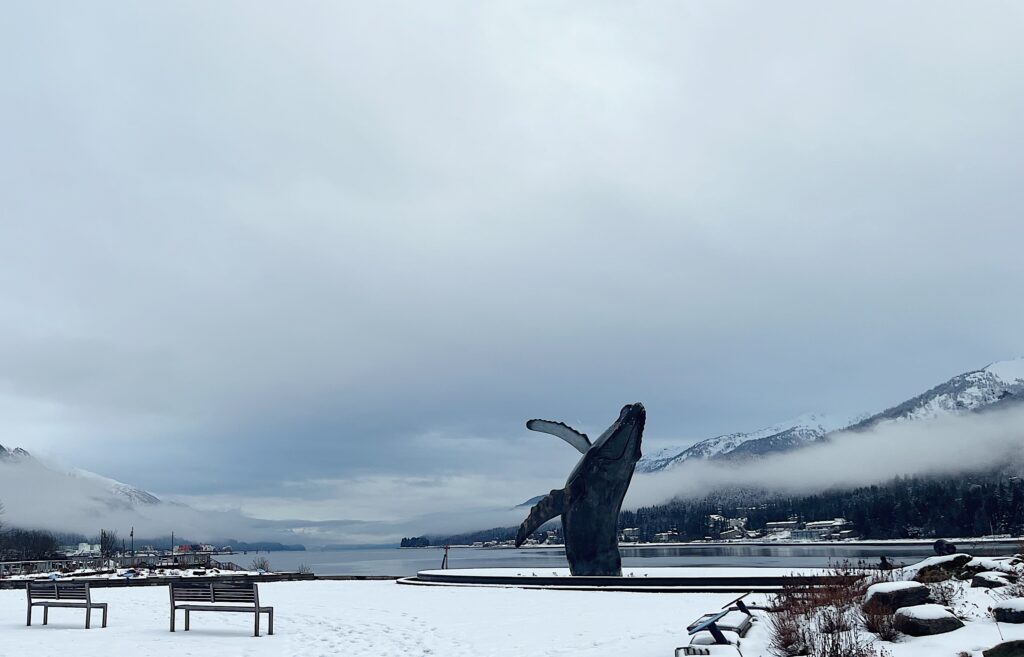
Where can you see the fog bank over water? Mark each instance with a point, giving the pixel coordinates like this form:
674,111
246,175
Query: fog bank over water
944,445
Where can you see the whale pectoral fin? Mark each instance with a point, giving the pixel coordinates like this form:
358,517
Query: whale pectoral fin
552,505
562,430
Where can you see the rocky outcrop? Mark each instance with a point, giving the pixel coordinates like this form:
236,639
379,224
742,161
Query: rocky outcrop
926,620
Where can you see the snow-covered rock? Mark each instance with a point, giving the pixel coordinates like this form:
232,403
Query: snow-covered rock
1006,649
1009,611
925,620
889,596
989,580
1010,566
934,569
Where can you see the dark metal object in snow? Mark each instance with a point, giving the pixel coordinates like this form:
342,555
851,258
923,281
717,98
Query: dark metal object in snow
590,502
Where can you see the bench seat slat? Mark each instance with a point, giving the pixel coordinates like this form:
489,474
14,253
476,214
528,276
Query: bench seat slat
249,610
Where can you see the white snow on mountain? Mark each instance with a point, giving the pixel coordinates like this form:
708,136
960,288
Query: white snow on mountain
38,494
799,430
129,493
998,383
970,391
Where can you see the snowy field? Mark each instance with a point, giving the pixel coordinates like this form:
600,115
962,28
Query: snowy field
384,619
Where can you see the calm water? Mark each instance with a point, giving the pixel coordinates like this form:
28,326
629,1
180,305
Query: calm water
396,561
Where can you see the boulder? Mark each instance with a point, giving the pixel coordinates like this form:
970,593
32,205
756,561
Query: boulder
1006,649
925,620
1009,611
989,580
1009,567
887,597
939,569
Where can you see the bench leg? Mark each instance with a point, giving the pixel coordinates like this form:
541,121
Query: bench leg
188,619
46,615
257,614
88,617
172,619
104,615
28,621
270,622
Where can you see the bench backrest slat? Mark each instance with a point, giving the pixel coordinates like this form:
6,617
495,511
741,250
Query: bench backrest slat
58,591
214,592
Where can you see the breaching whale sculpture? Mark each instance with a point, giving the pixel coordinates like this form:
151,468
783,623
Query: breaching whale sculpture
590,502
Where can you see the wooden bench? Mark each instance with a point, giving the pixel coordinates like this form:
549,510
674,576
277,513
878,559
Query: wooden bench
74,595
235,597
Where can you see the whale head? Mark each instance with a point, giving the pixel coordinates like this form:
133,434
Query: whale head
621,441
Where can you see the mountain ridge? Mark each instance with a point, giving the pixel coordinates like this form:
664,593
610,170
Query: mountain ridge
998,383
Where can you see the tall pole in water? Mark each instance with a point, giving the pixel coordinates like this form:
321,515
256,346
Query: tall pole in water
172,544
132,535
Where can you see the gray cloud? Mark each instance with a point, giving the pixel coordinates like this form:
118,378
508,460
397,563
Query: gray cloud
247,245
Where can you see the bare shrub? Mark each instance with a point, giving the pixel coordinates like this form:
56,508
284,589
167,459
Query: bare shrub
787,634
303,569
840,644
947,593
826,620
260,563
880,623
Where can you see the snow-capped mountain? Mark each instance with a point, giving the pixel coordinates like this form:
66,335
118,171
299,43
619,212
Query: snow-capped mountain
100,488
38,494
783,436
12,455
990,387
129,493
994,385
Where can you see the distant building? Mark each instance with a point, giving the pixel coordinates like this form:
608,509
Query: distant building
731,534
824,530
780,526
630,535
671,536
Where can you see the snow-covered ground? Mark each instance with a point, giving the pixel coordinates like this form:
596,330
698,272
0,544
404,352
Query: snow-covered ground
379,619
384,619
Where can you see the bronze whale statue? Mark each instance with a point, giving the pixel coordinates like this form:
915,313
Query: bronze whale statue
590,502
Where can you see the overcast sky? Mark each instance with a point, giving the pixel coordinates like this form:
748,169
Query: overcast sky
322,260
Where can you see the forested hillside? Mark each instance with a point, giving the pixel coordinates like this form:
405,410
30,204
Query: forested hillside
906,507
